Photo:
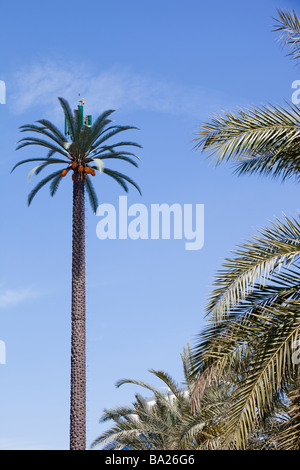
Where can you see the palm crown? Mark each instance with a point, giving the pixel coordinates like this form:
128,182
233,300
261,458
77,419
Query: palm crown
83,153
254,306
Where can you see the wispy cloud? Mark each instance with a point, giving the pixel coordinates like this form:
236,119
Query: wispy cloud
41,84
12,297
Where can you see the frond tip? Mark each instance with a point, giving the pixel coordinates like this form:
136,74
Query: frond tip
289,26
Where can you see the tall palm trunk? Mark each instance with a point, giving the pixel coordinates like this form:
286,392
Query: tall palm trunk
83,147
78,355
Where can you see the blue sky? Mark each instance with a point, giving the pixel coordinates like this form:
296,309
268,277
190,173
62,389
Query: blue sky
165,67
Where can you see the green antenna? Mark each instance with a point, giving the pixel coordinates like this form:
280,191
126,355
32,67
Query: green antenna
66,127
87,121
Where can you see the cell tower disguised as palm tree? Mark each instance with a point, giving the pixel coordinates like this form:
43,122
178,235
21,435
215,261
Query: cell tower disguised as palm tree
82,151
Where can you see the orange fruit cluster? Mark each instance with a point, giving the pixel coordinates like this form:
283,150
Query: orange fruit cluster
80,168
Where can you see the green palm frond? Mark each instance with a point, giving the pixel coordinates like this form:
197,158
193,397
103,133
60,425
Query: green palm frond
285,286
123,433
41,184
116,178
119,157
53,129
41,143
271,371
288,435
92,194
157,393
54,134
46,160
111,148
51,161
112,153
260,139
99,126
121,179
276,163
50,153
104,136
55,183
255,352
189,368
256,260
289,25
68,114
172,386
253,328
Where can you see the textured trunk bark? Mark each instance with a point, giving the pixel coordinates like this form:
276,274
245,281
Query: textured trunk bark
78,339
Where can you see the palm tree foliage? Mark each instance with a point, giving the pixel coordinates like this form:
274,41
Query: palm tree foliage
289,25
288,435
253,330
254,263
86,149
254,319
262,139
166,421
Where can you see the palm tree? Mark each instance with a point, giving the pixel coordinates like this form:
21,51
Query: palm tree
264,139
166,421
254,326
254,307
154,424
81,154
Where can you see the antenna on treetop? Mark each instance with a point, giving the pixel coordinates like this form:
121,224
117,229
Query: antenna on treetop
87,119
80,111
81,102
